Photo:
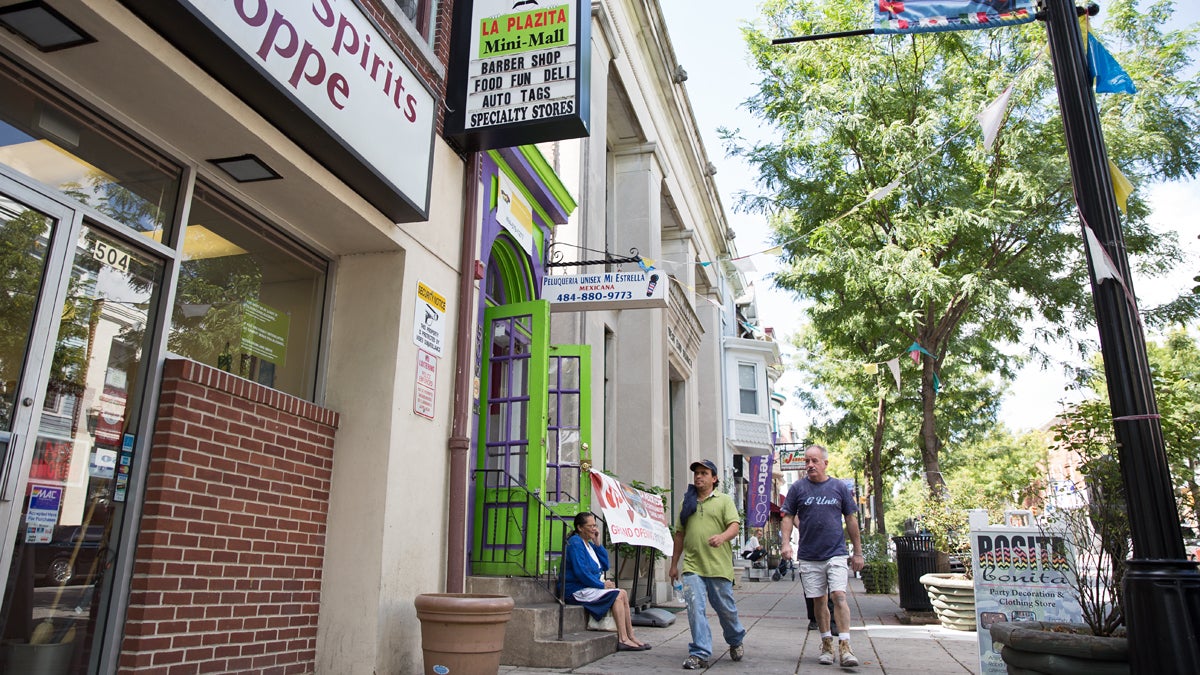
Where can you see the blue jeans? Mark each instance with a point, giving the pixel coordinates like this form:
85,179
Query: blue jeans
720,593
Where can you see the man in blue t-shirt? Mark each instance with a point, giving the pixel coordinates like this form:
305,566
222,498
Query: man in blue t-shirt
817,505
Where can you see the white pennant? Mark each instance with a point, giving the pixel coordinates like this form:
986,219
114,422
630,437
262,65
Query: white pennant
744,265
991,117
1102,265
894,366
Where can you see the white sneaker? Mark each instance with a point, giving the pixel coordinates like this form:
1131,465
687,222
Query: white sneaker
826,657
848,658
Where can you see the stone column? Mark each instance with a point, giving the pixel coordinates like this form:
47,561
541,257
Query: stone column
640,447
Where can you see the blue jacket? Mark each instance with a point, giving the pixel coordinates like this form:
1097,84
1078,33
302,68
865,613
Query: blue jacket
579,570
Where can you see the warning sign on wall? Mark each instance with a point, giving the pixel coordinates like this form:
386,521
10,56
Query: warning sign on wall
430,320
426,393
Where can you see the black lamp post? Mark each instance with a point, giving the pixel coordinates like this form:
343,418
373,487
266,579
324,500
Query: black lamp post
1162,589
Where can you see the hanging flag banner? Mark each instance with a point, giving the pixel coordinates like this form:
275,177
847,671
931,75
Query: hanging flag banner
992,116
929,16
514,213
631,515
1110,77
759,508
894,366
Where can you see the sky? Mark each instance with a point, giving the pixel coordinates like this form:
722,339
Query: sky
707,42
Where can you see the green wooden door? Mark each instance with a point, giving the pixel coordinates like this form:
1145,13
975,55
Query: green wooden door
510,475
568,439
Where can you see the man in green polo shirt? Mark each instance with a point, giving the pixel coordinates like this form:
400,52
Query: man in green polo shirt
708,521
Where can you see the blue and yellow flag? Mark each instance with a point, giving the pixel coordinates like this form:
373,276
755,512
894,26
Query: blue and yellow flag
928,16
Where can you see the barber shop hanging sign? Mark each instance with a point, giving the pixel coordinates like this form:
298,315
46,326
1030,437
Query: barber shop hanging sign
928,16
760,490
519,72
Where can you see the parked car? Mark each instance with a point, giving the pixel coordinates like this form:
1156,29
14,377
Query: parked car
54,564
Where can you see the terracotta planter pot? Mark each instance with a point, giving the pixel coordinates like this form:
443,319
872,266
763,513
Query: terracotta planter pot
1059,649
462,632
953,599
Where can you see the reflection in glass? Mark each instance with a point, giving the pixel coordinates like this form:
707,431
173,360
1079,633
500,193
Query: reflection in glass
248,302
82,450
564,455
24,237
56,142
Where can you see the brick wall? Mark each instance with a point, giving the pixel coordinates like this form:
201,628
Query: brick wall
227,576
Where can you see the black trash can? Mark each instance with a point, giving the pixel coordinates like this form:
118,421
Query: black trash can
915,557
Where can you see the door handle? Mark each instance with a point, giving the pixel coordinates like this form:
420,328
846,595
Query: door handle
8,481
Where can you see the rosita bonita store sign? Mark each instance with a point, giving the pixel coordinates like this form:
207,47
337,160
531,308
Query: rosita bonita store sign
519,72
330,75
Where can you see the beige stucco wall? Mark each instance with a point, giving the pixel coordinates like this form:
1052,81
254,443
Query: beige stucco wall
387,519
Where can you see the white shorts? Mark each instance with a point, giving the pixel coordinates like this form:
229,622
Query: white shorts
820,577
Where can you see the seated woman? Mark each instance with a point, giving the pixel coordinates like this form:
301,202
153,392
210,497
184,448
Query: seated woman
584,563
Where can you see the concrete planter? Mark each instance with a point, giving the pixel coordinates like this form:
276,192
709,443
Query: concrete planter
953,599
462,632
1059,649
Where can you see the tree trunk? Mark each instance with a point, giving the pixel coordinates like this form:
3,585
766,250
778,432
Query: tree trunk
929,439
876,467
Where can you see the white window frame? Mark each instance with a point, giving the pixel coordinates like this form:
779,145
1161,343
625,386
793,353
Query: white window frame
429,33
740,389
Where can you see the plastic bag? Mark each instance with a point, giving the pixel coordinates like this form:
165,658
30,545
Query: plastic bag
608,624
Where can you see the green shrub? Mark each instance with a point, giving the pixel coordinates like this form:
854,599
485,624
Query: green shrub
879,576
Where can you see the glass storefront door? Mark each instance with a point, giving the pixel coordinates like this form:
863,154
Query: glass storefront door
77,306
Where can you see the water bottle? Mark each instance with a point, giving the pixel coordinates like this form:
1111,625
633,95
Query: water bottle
677,591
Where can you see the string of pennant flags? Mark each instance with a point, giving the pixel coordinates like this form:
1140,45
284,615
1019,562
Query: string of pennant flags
1109,77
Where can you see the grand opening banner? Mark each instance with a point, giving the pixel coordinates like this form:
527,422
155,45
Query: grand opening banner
929,16
631,515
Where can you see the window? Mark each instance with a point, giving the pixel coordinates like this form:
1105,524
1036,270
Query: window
419,13
50,138
748,388
249,300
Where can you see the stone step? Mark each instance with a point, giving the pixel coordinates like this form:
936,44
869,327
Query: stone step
531,636
523,590
575,649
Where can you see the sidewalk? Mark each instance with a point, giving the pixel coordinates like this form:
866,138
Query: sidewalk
778,641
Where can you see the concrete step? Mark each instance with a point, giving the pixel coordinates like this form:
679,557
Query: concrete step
523,590
541,620
575,649
531,636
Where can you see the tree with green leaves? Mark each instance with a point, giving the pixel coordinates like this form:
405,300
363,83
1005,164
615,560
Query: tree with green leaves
862,410
963,245
1175,372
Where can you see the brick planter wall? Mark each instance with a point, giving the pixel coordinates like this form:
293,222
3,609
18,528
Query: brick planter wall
227,577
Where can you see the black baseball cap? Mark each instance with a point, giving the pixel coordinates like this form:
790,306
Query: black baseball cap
706,464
